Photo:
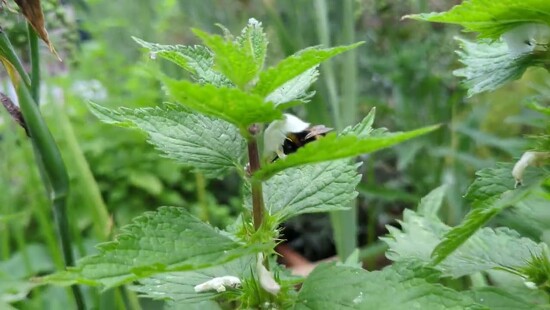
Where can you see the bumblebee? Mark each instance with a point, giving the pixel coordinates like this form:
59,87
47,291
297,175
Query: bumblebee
296,140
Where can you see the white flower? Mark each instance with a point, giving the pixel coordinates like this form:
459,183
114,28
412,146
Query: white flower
266,277
254,22
527,159
275,133
218,284
525,38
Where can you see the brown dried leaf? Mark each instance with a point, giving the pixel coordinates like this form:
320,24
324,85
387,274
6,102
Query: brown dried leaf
33,13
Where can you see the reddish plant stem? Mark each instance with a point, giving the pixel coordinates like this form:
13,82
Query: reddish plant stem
254,165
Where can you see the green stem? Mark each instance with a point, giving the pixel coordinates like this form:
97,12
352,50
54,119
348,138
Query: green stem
7,52
257,193
35,64
323,31
77,161
344,223
201,196
48,157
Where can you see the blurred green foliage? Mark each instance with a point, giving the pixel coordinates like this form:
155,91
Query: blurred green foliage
404,70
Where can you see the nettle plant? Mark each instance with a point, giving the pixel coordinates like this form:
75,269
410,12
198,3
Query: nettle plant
215,127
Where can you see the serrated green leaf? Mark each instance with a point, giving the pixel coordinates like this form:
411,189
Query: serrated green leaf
179,286
486,249
295,89
230,104
322,187
198,60
491,18
490,65
253,42
429,205
291,67
340,287
211,146
499,299
333,147
169,239
491,193
236,62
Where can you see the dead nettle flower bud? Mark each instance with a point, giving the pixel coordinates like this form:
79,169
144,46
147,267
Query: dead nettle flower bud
528,159
218,284
526,38
267,281
275,134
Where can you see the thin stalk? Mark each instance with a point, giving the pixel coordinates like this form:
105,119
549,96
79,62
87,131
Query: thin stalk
35,64
257,192
48,157
323,31
79,165
345,222
7,52
200,181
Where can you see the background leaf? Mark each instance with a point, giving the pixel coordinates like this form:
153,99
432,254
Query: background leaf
486,249
429,205
491,193
491,18
211,146
33,13
489,65
340,287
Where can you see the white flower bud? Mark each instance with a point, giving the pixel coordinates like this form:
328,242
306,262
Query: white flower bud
525,38
218,284
530,285
527,159
275,133
267,281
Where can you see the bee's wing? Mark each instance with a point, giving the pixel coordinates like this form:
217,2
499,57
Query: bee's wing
317,130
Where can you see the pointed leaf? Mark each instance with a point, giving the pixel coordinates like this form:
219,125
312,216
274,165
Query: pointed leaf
291,67
499,299
491,193
236,62
253,42
486,249
196,59
490,65
295,89
322,187
211,146
33,13
429,205
491,18
230,104
179,286
335,147
340,287
169,239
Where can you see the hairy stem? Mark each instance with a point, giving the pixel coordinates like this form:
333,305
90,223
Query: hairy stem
257,193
